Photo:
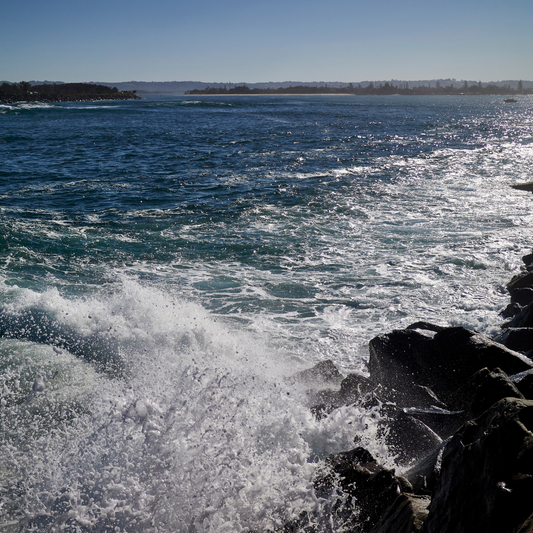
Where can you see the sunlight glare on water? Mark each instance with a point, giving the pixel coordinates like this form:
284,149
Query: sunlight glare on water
169,264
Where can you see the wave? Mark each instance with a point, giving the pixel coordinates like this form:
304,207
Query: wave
191,426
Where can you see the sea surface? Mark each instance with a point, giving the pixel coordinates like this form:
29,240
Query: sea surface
167,264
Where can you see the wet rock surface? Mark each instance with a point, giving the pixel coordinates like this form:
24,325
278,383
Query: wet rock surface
457,412
486,480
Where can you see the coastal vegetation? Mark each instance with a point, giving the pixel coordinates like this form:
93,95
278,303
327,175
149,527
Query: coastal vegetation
370,89
63,92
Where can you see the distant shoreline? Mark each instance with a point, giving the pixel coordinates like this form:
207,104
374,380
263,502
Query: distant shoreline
386,89
14,93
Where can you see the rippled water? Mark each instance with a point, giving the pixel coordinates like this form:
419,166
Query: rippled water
167,263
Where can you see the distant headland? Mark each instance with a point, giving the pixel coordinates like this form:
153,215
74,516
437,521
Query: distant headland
65,92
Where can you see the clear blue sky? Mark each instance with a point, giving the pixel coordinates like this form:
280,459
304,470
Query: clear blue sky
272,40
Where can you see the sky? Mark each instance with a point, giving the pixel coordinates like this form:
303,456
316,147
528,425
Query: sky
270,40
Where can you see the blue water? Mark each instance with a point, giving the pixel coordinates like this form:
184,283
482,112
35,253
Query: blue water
166,263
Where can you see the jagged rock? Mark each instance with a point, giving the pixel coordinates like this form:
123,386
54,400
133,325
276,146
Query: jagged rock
405,358
511,310
520,281
528,260
400,361
353,386
517,339
423,475
523,296
524,383
426,326
442,421
324,372
486,480
523,319
527,526
407,438
406,515
362,489
490,387
473,351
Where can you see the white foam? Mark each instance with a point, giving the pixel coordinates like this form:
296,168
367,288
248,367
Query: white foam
202,429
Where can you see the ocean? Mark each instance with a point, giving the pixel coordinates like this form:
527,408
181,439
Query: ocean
167,264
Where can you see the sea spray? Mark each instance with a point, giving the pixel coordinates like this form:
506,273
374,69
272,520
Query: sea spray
167,263
202,429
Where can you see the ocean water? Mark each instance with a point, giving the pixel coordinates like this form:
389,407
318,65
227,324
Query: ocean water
166,265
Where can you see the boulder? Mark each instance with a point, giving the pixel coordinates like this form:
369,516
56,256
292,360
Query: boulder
407,438
361,489
486,479
517,339
511,310
426,326
406,515
520,281
352,389
522,319
423,475
324,372
523,296
524,383
442,421
490,387
528,260
403,359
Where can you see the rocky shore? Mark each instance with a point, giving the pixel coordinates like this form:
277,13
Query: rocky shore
456,410
67,98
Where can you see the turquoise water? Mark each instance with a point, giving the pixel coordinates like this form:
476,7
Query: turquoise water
166,263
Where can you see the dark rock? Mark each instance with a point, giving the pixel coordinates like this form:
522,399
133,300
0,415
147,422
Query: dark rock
527,526
428,397
511,310
426,326
442,421
486,480
353,387
524,383
324,372
528,260
517,339
523,319
403,359
423,475
523,296
407,438
406,515
361,489
492,386
473,351
520,281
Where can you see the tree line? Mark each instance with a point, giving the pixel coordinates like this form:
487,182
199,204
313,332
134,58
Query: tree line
60,92
386,88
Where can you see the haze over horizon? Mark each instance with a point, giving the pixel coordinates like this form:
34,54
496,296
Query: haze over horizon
259,42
